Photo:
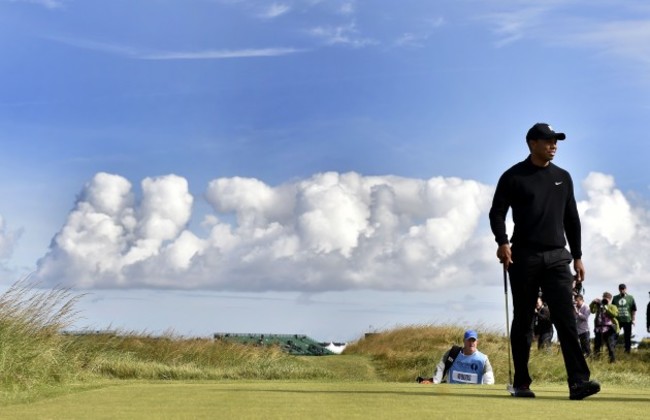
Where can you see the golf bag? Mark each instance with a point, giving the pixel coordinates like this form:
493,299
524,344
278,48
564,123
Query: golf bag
454,351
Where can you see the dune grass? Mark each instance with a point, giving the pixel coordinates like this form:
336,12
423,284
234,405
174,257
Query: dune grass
402,354
32,350
38,360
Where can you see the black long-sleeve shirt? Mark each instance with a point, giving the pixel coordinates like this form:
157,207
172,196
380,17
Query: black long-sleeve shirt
543,208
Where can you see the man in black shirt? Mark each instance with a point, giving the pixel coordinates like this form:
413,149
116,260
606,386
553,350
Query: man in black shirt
544,212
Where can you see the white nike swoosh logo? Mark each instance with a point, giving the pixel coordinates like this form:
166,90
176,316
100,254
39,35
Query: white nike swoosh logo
558,182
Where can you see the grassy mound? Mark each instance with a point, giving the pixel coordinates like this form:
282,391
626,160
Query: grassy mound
404,353
37,359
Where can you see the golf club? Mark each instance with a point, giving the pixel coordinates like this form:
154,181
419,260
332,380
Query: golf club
509,386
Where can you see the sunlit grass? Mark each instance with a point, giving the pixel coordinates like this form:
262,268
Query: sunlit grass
37,358
403,353
32,350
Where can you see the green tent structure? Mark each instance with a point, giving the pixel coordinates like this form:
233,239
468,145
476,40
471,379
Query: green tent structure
295,344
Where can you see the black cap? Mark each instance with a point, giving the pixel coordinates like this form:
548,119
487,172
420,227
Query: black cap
543,131
621,286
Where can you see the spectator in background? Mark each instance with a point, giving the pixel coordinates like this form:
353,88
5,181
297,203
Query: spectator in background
647,316
606,325
582,322
470,366
626,314
542,325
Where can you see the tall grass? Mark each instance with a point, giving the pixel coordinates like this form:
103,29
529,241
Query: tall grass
35,355
402,354
140,356
32,352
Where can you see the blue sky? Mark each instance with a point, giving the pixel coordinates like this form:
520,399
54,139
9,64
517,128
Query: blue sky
321,167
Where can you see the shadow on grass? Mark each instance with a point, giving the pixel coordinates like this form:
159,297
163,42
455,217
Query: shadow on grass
488,393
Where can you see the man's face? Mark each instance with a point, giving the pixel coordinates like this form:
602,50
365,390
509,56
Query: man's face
470,345
623,290
544,150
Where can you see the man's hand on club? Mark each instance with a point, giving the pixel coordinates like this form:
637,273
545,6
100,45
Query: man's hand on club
580,270
504,254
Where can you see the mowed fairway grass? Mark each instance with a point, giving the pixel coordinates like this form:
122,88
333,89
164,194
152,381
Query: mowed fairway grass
325,400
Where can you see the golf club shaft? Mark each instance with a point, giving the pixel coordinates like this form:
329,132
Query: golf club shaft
505,292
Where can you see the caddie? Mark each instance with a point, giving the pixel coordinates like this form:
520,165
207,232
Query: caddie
467,366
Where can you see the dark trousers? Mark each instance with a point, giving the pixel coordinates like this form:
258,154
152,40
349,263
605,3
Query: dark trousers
609,338
627,334
584,343
548,270
544,340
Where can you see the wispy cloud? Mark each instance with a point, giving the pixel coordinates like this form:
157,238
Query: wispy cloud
221,54
347,8
419,38
409,39
622,34
343,35
513,26
628,39
96,46
623,31
135,53
275,10
50,4
8,239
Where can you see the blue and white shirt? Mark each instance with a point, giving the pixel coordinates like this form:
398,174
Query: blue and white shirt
472,369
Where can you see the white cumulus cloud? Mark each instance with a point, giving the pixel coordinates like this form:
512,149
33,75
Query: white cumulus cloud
332,231
616,234
328,232
108,231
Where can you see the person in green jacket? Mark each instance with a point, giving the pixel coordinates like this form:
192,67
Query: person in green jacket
606,325
626,314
